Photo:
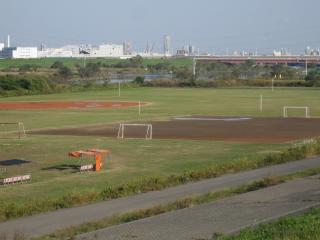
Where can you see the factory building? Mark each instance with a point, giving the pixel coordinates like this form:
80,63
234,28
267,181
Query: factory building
107,50
127,48
54,53
19,52
167,50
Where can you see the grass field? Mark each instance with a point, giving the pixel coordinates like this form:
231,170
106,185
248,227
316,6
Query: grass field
72,62
304,227
130,160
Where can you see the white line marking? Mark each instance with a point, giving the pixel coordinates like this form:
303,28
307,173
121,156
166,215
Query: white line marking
211,119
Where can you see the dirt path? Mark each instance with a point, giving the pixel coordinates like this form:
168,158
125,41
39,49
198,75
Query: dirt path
49,222
66,105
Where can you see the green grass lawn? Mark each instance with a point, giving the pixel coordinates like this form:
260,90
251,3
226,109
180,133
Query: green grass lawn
131,160
304,227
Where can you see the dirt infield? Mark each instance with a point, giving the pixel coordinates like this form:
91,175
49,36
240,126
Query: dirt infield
239,129
66,105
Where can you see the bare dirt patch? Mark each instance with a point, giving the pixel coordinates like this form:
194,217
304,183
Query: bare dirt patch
66,105
238,129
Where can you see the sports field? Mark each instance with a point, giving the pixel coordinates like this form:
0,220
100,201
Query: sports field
54,174
234,129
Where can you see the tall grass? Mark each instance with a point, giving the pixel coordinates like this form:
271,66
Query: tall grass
14,210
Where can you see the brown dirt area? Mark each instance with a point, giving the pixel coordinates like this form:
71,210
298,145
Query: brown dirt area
259,130
66,105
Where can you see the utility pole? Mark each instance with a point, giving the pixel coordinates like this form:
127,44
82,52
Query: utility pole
119,88
306,67
272,85
194,68
84,61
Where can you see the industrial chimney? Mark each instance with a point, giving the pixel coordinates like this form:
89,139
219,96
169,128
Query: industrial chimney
8,41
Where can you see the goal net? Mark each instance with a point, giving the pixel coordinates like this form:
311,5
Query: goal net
12,130
135,131
306,111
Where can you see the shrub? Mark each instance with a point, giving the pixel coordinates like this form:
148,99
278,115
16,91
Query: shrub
25,84
139,80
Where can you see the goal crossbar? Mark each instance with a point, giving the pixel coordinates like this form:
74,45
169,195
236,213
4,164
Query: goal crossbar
122,126
19,131
286,108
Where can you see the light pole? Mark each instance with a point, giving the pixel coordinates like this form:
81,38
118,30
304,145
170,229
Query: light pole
194,68
84,61
272,85
119,88
306,67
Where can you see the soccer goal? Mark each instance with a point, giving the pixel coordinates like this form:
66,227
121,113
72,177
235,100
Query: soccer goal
305,109
12,130
147,128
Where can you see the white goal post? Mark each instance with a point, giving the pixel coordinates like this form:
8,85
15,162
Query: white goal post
12,130
286,108
148,127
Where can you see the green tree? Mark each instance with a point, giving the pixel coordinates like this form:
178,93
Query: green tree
313,76
90,70
136,61
139,80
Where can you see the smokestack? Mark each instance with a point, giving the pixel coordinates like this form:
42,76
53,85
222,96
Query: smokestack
8,41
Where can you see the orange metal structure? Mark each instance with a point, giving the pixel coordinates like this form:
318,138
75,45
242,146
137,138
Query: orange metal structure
96,153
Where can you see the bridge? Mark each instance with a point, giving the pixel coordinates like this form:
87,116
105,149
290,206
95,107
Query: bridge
270,60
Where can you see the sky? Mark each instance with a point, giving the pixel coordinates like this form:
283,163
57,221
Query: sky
213,26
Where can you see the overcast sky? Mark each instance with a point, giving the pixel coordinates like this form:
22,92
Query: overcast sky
211,25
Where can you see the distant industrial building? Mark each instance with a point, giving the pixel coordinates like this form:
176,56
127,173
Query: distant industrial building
312,52
127,48
187,50
167,49
282,52
54,53
182,53
107,50
19,52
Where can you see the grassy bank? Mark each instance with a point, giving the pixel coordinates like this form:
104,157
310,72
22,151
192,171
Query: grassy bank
13,209
304,227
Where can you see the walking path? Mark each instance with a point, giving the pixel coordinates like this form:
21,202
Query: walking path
49,222
224,216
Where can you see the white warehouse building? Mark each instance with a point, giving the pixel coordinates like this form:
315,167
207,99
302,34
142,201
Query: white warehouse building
19,52
1,46
54,53
107,50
